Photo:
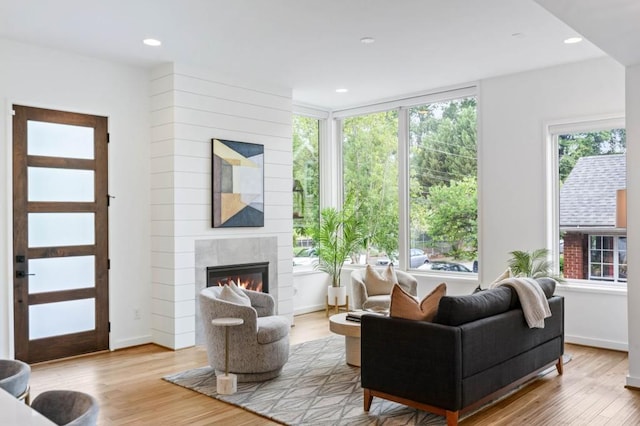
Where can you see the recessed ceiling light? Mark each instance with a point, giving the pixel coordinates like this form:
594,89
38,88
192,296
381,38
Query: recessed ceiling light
342,90
367,40
152,42
573,40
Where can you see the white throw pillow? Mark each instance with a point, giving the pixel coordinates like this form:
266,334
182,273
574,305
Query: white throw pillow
237,289
506,274
228,295
379,283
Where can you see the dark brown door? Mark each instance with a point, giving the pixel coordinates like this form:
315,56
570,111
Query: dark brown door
60,234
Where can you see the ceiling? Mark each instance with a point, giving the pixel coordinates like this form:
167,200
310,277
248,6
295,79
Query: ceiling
311,46
612,25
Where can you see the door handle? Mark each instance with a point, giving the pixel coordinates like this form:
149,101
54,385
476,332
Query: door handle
22,274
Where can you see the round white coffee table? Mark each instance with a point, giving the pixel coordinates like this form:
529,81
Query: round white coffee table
227,384
351,331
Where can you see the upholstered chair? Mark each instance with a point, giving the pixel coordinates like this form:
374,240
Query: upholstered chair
365,296
259,348
14,378
65,407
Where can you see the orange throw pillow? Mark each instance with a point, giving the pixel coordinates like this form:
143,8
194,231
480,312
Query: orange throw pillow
404,305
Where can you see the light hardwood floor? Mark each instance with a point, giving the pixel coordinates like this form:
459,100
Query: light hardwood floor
128,384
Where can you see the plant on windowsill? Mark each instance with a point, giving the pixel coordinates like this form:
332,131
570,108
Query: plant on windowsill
533,264
338,235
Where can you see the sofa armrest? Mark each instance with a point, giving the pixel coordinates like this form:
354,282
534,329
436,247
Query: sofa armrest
416,360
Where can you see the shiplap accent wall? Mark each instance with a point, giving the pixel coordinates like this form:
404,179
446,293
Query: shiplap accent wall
189,106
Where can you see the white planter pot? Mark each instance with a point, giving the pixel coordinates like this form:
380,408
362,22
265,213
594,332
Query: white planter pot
337,292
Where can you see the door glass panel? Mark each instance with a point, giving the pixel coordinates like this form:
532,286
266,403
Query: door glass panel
61,229
61,273
55,319
59,140
49,184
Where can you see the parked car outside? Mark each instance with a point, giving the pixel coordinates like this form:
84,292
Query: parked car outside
417,258
445,266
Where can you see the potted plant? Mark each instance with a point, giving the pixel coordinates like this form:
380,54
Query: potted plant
534,264
338,235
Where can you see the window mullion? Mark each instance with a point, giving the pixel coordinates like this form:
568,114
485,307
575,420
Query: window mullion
403,187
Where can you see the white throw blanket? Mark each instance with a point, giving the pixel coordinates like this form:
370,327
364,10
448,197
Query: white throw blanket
535,305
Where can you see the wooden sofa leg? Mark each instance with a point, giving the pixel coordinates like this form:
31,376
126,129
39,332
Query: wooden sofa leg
560,366
367,399
452,418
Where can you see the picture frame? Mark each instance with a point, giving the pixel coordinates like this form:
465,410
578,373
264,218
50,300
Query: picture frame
237,180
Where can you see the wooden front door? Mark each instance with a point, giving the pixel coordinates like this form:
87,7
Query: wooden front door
60,234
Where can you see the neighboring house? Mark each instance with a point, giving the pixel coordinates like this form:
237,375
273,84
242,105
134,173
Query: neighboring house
594,248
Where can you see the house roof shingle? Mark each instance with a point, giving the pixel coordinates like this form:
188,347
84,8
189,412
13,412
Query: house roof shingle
588,195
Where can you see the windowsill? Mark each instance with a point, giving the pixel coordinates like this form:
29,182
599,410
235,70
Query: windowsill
451,276
305,271
592,287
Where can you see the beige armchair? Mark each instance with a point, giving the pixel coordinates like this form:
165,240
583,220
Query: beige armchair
364,298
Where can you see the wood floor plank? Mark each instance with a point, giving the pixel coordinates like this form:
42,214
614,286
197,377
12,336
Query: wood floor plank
129,387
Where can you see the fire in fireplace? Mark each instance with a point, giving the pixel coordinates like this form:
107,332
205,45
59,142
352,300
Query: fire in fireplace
251,276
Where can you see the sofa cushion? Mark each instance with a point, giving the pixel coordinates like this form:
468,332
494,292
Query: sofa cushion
456,310
404,305
271,329
379,283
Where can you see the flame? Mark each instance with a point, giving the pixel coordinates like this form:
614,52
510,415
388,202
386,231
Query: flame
245,282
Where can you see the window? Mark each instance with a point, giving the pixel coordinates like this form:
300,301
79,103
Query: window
370,182
305,187
607,258
443,185
590,175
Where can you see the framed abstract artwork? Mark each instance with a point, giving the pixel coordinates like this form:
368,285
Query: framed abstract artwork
237,172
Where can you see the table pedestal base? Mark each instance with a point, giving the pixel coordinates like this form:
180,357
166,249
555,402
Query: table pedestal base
227,384
352,348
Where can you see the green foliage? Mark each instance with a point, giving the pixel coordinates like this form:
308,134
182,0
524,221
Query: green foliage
338,235
370,170
443,184
576,145
443,140
453,216
306,171
533,264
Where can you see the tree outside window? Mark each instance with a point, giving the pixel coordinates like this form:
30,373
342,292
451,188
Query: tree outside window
370,170
306,190
443,184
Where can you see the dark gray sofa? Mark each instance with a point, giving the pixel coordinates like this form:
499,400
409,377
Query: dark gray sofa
478,347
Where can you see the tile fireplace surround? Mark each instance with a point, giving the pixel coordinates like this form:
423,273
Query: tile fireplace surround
229,251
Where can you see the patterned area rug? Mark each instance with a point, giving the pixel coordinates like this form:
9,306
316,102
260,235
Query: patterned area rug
316,387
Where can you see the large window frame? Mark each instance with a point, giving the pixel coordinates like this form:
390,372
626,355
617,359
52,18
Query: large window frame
402,106
553,130
323,118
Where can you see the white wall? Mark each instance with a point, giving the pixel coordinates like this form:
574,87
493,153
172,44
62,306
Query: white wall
189,107
513,214
47,78
633,219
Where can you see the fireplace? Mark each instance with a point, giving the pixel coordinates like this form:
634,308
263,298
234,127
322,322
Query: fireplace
251,276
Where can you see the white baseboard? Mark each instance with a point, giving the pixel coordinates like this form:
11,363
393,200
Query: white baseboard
633,382
597,343
133,341
308,309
